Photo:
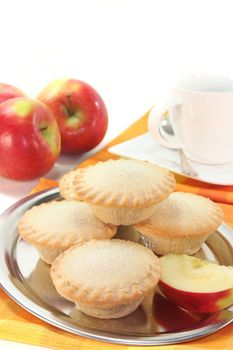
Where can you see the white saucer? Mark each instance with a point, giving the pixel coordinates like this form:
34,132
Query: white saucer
145,147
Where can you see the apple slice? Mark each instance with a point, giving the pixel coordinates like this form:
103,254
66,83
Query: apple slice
196,285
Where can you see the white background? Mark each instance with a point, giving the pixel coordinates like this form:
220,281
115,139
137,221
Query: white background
130,51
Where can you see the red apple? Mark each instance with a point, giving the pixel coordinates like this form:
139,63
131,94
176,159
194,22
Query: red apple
8,91
29,139
195,284
80,112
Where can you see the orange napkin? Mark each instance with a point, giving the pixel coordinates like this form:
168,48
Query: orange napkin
16,324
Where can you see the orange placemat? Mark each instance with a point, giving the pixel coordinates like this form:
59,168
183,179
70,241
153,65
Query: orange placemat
16,324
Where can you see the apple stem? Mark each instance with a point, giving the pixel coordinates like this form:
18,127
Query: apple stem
69,108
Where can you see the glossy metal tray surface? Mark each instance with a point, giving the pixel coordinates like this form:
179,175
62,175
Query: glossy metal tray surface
26,279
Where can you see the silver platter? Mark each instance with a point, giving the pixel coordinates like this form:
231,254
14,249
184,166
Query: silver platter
25,278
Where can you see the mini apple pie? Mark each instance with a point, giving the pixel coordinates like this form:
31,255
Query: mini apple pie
56,226
124,191
109,278
180,224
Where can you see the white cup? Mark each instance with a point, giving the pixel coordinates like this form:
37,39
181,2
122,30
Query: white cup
201,115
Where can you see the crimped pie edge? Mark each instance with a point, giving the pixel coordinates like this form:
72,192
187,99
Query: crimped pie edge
77,293
43,239
66,187
214,218
107,198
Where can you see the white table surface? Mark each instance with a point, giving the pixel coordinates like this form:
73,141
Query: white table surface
129,50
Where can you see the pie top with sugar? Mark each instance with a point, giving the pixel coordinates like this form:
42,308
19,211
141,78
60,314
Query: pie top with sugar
183,214
105,271
123,183
61,224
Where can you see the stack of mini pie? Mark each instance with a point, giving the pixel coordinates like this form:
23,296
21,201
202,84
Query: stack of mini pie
104,277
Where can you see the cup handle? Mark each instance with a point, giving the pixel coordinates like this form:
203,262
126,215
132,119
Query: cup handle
154,127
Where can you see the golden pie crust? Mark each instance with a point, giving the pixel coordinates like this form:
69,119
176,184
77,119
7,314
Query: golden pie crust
56,226
180,224
124,191
107,274
124,183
